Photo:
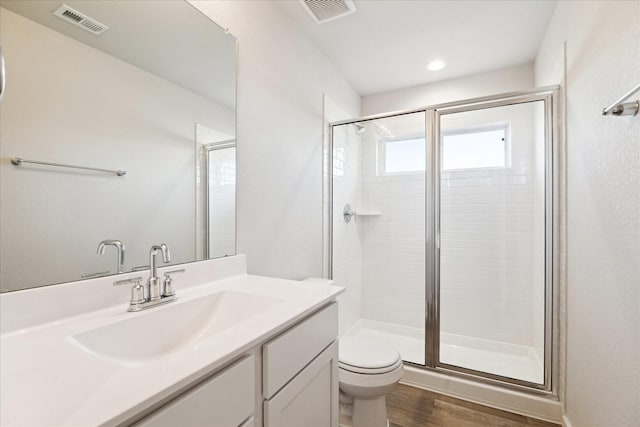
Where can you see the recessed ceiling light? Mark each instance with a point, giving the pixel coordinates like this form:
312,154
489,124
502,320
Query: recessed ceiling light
436,65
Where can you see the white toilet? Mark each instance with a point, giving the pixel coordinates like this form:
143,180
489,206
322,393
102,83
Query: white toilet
368,370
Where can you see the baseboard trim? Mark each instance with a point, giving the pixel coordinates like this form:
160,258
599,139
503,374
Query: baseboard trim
542,408
565,421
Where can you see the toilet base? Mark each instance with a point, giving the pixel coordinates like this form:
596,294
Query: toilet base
370,412
365,380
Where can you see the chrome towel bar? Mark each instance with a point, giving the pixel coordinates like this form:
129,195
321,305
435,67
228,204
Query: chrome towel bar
19,160
626,109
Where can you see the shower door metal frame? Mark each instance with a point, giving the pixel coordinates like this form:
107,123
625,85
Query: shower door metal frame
549,95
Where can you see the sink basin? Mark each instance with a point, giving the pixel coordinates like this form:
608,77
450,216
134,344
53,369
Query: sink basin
164,330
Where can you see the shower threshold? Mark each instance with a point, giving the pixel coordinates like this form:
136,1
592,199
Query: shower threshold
508,360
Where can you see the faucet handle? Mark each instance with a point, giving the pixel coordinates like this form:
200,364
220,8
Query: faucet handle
137,292
168,287
135,280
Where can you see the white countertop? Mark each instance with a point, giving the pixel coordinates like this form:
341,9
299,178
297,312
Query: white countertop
48,380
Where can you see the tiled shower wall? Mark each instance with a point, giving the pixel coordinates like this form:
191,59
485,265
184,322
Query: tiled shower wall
393,243
222,202
490,269
393,249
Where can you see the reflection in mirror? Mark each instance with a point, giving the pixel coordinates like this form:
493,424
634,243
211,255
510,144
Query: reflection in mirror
217,189
221,200
124,99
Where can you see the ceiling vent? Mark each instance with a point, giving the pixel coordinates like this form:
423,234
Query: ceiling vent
80,19
327,10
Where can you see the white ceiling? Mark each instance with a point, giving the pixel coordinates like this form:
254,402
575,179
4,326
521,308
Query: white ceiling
386,44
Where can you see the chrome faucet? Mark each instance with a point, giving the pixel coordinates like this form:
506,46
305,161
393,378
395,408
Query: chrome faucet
153,284
119,246
153,295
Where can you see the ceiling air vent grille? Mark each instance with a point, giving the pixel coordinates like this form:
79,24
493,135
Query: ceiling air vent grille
327,10
81,20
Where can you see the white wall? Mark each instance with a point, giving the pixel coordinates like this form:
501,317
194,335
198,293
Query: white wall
490,83
603,207
114,116
282,76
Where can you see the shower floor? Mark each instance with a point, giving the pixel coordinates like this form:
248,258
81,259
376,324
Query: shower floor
513,361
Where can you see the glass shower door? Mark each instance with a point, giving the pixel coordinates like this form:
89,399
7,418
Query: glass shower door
493,221
378,236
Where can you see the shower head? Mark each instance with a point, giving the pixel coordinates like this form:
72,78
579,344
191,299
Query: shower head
359,128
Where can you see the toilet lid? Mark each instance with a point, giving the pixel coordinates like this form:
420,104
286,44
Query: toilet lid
359,354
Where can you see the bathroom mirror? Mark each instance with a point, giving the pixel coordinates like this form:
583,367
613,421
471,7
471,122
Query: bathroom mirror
138,94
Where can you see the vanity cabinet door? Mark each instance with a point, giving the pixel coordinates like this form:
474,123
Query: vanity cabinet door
311,398
287,354
225,400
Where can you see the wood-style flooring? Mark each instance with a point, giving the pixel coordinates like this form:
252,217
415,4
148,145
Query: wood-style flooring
414,407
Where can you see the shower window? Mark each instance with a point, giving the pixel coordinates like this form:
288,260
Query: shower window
476,148
398,156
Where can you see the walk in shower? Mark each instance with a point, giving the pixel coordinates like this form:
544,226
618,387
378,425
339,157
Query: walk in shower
440,227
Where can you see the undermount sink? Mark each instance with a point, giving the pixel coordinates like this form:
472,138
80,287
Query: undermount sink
165,330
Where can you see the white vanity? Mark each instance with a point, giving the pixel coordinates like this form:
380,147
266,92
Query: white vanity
233,350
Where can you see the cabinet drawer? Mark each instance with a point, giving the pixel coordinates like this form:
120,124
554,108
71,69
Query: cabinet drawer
286,355
225,400
311,398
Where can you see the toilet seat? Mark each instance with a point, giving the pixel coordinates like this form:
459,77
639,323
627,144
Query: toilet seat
362,355
369,371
